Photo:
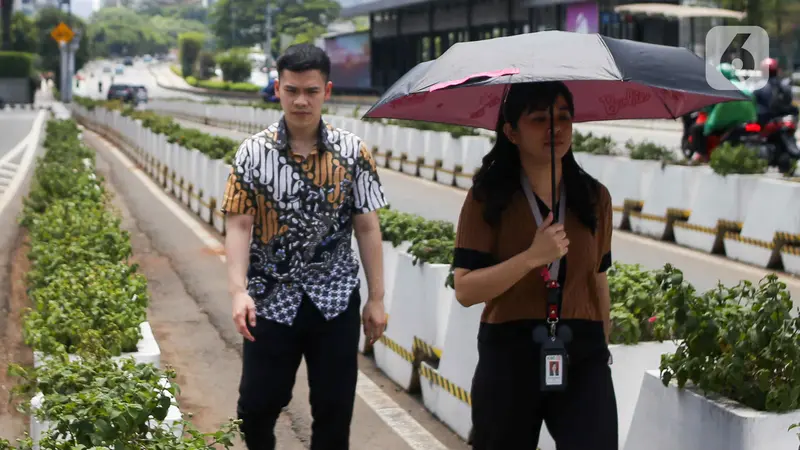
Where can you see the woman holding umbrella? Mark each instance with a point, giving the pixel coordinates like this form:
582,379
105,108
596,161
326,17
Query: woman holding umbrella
534,236
495,263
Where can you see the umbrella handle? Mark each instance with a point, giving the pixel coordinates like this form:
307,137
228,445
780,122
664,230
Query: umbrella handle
553,164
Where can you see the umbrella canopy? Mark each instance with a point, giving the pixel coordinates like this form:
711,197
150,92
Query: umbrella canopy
610,79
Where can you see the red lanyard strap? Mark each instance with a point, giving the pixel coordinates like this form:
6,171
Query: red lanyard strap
548,274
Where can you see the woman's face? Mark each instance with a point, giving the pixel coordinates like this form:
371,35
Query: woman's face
532,135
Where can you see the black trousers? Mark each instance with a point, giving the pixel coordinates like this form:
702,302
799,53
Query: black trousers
270,365
508,407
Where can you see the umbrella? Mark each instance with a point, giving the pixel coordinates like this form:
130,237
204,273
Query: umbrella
610,79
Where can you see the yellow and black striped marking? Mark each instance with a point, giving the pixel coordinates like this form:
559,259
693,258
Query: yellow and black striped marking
693,227
750,241
397,348
437,379
426,349
646,216
788,238
679,214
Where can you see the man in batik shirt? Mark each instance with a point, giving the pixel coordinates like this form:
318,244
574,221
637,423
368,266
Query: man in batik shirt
297,192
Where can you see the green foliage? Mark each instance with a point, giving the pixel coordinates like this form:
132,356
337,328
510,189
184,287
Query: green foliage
16,65
235,66
88,302
95,402
590,143
647,150
637,305
729,159
215,147
240,23
189,45
206,64
24,35
740,342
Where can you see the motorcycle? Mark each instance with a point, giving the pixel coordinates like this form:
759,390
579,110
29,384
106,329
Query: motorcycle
779,133
748,134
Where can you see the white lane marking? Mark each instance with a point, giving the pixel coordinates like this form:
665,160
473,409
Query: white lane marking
31,142
414,434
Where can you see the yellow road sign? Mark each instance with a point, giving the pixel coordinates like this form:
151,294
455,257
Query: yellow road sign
62,33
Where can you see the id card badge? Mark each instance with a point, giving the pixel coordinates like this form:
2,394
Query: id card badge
554,367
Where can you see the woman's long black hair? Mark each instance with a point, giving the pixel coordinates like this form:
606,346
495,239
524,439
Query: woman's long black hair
498,178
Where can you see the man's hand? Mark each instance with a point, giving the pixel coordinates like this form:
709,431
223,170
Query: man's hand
244,312
374,319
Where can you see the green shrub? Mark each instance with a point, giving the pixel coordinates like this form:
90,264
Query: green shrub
729,159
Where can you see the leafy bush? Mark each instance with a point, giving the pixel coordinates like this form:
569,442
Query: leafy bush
206,64
215,147
100,402
637,306
16,65
190,45
647,150
729,159
235,66
88,304
589,143
740,342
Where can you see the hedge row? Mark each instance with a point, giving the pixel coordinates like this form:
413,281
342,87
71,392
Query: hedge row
87,305
215,147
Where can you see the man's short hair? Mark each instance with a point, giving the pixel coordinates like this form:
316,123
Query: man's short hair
304,57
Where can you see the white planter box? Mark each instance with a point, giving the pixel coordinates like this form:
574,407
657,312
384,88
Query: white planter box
629,367
669,418
147,350
174,414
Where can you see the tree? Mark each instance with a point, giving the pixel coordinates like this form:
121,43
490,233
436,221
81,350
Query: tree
24,36
123,31
241,22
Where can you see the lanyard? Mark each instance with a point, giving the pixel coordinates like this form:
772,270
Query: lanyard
550,276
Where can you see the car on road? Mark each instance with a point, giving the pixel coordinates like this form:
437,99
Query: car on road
106,69
128,61
122,92
119,70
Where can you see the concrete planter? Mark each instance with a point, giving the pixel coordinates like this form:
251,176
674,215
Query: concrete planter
668,418
147,350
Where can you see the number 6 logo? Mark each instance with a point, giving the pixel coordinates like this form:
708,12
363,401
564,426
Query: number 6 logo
744,47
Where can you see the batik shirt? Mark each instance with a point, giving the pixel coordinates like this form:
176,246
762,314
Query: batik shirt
303,210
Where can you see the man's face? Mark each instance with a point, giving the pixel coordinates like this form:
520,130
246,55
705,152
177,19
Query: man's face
301,95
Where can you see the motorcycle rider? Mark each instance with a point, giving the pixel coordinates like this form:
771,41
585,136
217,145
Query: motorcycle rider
775,98
724,116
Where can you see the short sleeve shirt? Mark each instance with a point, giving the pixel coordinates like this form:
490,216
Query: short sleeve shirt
303,212
480,245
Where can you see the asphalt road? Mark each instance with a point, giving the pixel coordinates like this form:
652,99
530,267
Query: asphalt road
137,74
437,202
14,126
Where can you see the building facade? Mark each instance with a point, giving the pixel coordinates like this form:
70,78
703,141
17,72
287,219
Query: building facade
404,33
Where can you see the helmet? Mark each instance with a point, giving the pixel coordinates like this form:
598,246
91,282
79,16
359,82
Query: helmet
727,70
770,66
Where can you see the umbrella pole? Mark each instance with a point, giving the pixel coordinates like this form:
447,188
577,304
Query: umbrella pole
553,165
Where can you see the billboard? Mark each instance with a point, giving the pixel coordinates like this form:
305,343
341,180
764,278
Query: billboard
582,18
350,60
